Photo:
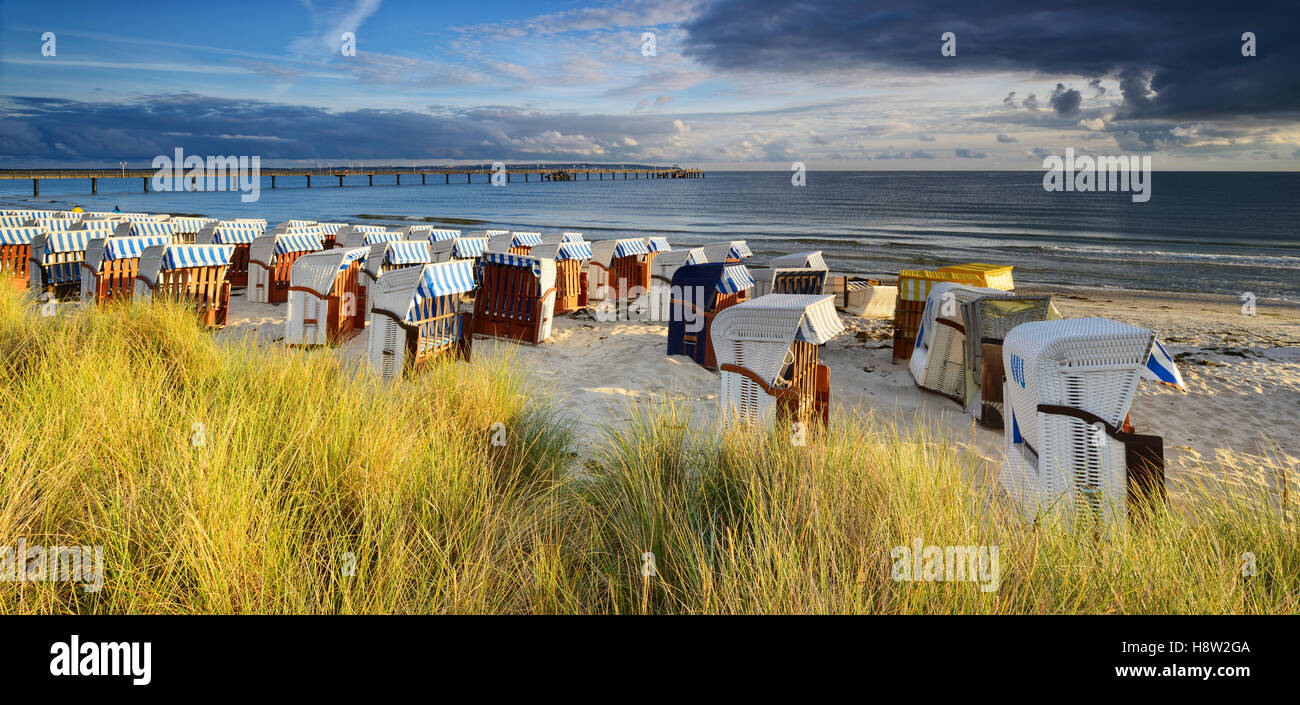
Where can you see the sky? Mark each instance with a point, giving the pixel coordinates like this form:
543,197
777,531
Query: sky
729,84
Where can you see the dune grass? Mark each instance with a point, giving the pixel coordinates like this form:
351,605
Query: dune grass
222,477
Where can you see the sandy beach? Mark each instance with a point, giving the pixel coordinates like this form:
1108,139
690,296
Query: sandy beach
1238,423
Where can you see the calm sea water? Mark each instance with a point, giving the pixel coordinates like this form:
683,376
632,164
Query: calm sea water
1208,232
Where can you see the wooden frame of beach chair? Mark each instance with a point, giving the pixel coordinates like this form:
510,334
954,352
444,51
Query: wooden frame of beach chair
191,273
16,253
327,299
617,270
111,264
767,353
727,251
701,292
417,317
1069,448
516,297
270,265
986,322
914,287
239,236
570,273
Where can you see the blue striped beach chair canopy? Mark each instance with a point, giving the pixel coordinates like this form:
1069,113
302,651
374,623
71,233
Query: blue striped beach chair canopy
190,226
12,221
443,279
54,225
407,252
19,235
468,247
129,247
440,234
727,249
629,247
518,239
149,228
288,244
71,241
230,233
658,244
259,222
513,260
376,237
186,256
735,278
572,250
331,228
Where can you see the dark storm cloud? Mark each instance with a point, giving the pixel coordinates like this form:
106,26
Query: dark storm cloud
1176,60
967,154
64,130
1065,101
1006,138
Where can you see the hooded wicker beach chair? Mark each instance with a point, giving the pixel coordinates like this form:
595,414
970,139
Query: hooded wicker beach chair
727,251
570,273
767,352
188,228
914,287
515,243
800,273
985,324
187,272
700,292
458,248
327,299
437,234
1069,446
350,236
618,270
55,263
663,268
270,263
16,253
111,264
386,257
655,245
240,237
938,360
557,238
515,298
417,317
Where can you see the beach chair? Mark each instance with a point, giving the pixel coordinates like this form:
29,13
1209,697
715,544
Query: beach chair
54,225
700,292
766,350
188,228
417,317
327,299
386,257
240,237
457,248
661,279
863,297
259,222
914,287
368,238
617,270
55,263
16,253
270,264
1069,447
985,324
654,246
727,251
570,273
111,264
800,273
515,243
191,273
350,236
515,298
938,360
438,234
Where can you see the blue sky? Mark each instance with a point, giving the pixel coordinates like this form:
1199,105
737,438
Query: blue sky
752,84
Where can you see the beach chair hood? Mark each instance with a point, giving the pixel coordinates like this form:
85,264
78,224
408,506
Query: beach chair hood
799,260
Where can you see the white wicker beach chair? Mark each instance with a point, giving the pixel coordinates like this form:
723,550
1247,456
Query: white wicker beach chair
557,238
193,273
457,248
986,322
727,251
514,242
327,299
417,317
270,264
662,269
1069,384
938,361
766,349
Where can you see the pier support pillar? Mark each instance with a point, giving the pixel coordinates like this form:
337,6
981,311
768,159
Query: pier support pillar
309,181
399,179
447,177
145,179
36,187
372,179
273,181
94,186
340,182
422,181
467,177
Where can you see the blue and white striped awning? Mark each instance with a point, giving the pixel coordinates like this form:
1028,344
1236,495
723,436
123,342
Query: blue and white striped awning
285,244
572,250
490,233
658,244
740,250
314,230
56,225
331,228
356,254
369,228
374,238
445,278
237,233
467,247
1161,368
190,225
18,236
512,260
12,221
438,234
628,248
570,236
184,256
128,247
525,239
735,278
407,252
152,228
299,223
696,255
107,226
71,241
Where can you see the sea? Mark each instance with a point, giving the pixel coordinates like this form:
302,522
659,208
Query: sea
1218,232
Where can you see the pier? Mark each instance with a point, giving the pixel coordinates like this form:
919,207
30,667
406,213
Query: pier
513,174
